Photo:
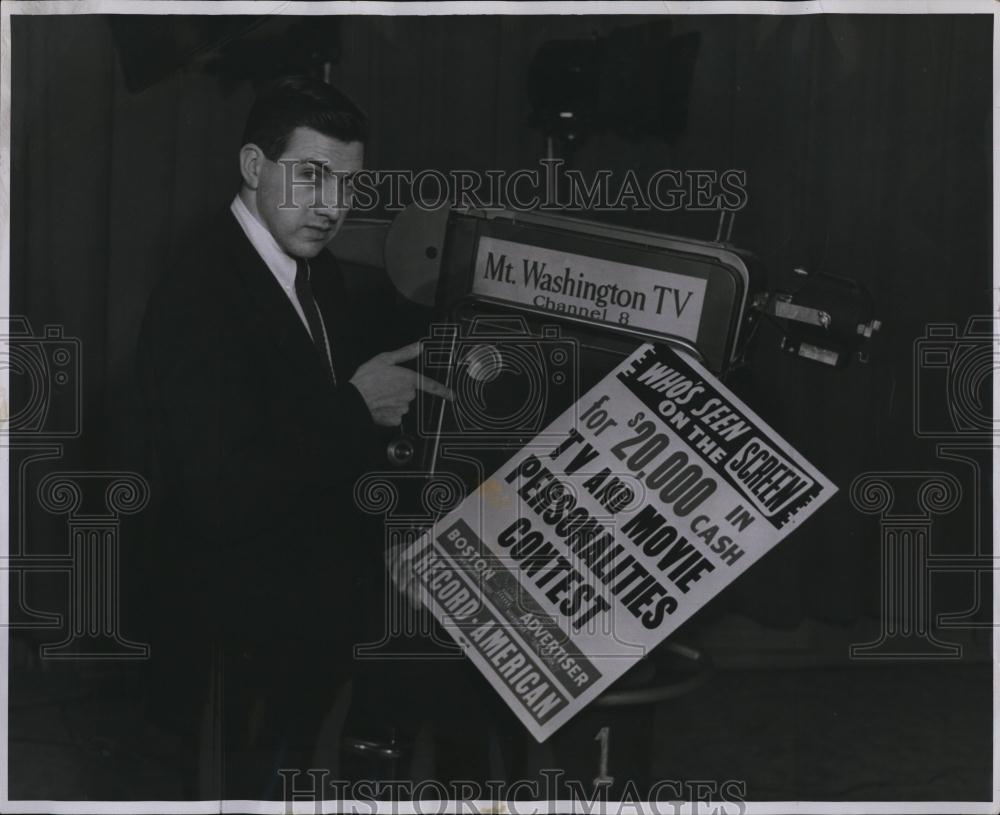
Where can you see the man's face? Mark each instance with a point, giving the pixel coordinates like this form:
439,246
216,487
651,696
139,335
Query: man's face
303,197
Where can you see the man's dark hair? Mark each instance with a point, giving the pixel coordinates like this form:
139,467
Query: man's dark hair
300,101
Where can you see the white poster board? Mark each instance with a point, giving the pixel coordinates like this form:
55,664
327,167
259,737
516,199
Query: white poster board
611,528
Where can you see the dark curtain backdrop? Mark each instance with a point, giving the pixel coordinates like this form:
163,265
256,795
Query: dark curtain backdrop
865,140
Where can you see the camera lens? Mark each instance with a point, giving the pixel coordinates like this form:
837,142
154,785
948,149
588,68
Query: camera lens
501,391
483,363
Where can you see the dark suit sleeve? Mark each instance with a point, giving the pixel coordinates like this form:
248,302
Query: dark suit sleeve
245,481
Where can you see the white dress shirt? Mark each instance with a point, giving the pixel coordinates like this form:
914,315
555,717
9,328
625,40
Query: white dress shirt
282,265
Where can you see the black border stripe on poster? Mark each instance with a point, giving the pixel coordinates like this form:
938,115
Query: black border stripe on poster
500,641
511,599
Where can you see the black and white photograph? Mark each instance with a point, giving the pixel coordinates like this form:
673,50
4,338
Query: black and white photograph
538,407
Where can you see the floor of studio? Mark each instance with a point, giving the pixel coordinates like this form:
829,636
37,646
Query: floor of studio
875,731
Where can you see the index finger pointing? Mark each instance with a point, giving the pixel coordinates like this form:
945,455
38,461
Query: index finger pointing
433,387
407,352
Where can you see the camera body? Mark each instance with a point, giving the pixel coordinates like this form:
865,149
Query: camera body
953,380
508,380
533,309
45,381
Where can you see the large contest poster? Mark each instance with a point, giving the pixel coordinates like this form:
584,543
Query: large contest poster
622,518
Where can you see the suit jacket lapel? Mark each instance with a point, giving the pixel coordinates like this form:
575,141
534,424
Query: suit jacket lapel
270,307
339,316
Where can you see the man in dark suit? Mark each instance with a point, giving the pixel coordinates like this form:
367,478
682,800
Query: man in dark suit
265,399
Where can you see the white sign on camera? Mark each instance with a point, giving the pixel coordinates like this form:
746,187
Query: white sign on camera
564,283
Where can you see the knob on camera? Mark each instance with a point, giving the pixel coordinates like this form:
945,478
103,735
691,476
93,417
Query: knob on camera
400,450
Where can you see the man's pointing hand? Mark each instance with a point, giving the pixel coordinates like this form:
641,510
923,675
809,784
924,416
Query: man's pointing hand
388,388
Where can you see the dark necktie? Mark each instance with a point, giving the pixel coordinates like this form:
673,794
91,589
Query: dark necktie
303,291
